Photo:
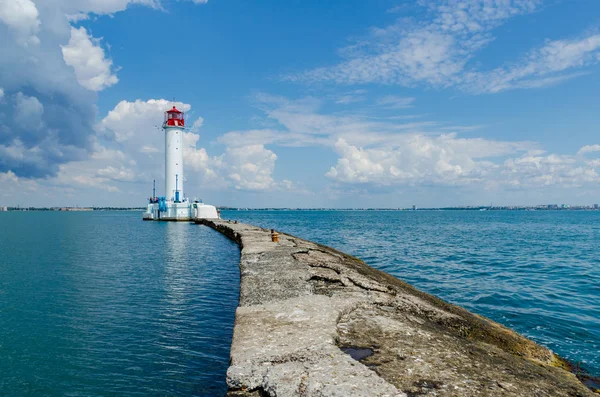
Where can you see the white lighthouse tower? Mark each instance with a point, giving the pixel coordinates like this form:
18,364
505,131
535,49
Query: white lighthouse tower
173,125
174,205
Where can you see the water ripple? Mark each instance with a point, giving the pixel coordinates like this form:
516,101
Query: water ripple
95,304
535,272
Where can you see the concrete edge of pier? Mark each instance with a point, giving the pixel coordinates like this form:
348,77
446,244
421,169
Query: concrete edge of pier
313,321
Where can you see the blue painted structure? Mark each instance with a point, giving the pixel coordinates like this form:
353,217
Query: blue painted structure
162,204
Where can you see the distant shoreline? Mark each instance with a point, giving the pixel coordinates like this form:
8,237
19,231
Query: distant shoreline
503,208
468,208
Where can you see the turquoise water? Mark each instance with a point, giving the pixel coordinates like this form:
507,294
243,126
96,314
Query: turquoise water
97,304
536,272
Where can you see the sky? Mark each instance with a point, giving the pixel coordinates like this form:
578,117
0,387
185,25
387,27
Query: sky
381,103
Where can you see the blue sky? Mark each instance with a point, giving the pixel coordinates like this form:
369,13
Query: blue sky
302,103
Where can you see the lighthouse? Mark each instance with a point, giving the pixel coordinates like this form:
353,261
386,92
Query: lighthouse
175,205
173,126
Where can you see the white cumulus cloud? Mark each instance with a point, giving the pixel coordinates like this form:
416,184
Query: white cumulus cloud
62,67
419,159
390,153
93,70
446,160
133,121
22,17
250,167
134,127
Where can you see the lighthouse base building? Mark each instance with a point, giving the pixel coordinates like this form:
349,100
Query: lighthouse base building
184,211
174,205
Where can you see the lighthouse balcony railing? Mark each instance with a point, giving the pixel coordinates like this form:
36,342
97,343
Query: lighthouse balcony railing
174,123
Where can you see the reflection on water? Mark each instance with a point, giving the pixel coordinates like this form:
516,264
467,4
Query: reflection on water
96,304
176,264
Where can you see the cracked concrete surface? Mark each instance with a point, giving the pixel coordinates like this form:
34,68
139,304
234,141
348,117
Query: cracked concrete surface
301,302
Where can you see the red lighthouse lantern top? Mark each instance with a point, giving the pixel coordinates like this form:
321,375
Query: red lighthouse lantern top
174,118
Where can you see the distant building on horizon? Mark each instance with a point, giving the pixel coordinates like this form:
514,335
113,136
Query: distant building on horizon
3,209
595,206
414,207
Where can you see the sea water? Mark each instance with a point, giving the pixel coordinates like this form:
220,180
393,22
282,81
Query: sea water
102,303
537,272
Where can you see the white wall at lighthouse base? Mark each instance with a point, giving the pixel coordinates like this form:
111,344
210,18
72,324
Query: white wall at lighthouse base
177,212
174,212
149,214
204,211
180,212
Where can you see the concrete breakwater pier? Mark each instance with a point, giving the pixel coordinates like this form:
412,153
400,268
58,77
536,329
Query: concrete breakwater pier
313,321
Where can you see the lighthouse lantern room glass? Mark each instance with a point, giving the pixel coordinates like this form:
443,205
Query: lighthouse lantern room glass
174,117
